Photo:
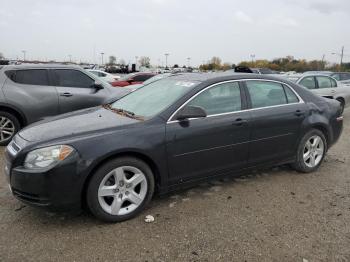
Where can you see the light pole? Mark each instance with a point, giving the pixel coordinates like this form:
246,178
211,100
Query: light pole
102,57
252,56
24,54
166,60
70,58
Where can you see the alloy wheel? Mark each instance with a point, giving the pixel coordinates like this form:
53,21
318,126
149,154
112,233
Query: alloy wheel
122,190
7,129
313,151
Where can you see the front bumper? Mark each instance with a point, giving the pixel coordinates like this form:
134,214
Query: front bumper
58,188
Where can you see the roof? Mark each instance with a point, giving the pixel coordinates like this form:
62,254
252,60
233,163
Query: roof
202,77
40,66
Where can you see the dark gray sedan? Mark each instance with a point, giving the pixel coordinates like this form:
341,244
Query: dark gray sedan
172,133
32,92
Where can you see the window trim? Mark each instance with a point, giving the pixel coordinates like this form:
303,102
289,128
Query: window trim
240,81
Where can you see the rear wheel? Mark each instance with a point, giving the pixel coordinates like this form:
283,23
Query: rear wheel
311,151
9,126
120,189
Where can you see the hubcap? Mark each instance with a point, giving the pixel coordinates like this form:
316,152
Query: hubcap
7,129
122,190
313,151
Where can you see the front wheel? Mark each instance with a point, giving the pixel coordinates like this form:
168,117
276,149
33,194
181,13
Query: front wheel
120,189
311,151
9,126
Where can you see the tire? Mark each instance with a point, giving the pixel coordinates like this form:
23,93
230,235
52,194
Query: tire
310,152
9,126
120,189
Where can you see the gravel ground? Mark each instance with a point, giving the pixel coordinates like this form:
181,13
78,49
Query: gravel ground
271,215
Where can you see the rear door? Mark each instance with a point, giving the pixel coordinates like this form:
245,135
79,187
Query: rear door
31,91
76,90
202,147
276,116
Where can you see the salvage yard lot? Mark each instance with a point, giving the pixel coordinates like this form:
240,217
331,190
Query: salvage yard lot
270,215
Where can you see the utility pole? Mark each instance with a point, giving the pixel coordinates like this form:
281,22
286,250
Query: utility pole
252,56
188,61
341,57
102,57
166,60
24,55
70,58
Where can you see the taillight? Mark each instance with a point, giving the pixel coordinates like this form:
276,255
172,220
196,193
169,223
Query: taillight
340,118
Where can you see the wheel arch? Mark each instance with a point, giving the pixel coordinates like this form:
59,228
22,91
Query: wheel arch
325,130
16,112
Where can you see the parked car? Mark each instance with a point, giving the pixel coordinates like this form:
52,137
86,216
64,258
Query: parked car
341,76
325,86
107,77
31,92
259,71
148,81
132,79
172,133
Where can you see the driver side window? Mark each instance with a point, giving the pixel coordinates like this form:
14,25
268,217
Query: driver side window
219,99
308,82
72,78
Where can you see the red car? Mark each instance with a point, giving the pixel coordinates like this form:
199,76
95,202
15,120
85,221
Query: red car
132,79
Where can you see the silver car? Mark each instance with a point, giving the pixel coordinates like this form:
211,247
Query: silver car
325,86
32,92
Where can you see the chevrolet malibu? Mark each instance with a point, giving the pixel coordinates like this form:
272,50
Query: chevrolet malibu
172,133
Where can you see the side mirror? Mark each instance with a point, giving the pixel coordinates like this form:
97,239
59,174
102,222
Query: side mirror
191,112
130,81
98,85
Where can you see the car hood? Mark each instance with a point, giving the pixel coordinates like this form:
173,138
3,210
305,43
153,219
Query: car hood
96,119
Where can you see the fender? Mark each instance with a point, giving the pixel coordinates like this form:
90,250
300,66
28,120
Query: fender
16,109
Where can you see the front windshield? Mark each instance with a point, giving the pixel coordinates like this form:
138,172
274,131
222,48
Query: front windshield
153,98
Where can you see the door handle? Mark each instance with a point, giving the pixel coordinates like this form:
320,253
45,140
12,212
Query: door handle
299,113
66,94
239,122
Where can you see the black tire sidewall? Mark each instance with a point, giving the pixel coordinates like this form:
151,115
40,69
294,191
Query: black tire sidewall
92,189
15,123
300,164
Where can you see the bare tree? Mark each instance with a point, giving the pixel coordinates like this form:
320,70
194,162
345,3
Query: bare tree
145,61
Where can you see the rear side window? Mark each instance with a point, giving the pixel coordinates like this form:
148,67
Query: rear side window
308,82
264,94
291,96
72,78
29,77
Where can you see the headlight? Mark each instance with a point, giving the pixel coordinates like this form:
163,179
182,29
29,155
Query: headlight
47,156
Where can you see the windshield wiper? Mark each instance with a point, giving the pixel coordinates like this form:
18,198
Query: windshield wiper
123,112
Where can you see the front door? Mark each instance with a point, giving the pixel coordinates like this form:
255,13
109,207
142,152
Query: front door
212,145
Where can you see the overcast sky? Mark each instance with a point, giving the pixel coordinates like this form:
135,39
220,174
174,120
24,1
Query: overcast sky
200,29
